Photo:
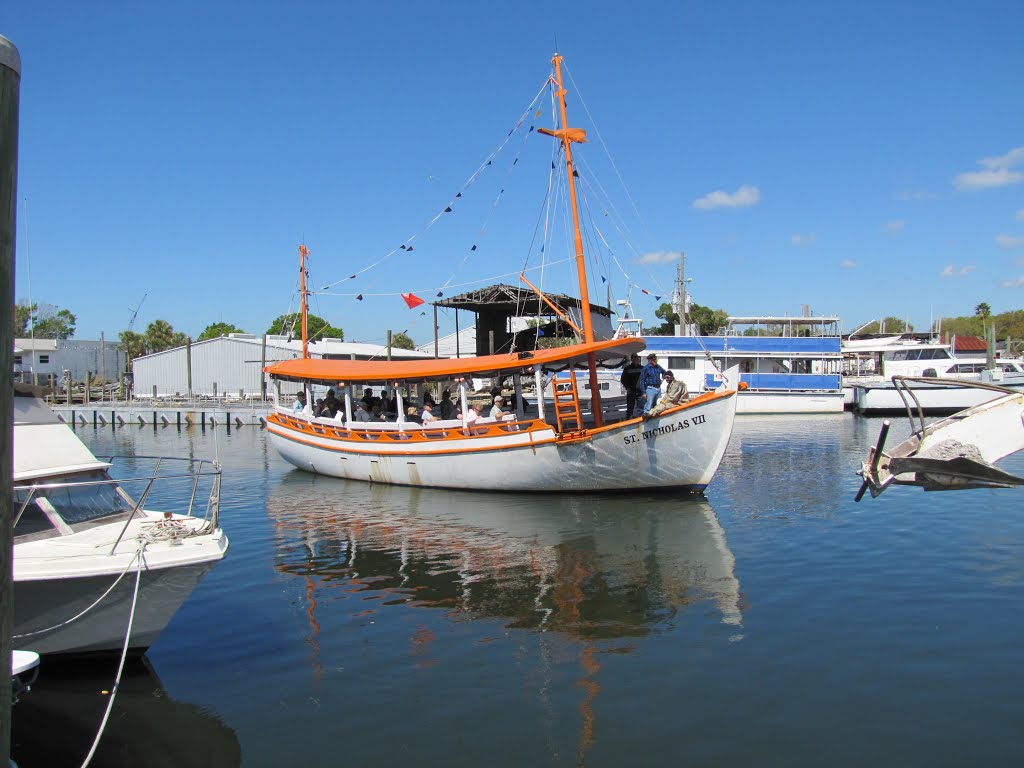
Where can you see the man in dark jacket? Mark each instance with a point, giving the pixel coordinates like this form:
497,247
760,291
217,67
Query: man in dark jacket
630,381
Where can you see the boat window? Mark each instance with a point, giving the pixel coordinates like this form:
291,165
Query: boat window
79,503
32,521
901,355
680,363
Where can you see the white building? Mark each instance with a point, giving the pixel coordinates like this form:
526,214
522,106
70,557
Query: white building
232,366
37,360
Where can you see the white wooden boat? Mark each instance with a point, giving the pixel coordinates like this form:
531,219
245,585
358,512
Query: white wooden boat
680,448
88,556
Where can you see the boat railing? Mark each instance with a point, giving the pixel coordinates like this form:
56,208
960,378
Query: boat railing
167,487
403,431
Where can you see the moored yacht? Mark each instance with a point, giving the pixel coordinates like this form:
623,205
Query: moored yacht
92,556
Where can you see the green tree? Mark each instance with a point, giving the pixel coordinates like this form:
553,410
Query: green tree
216,330
160,335
46,322
708,320
983,310
401,341
133,344
316,327
22,316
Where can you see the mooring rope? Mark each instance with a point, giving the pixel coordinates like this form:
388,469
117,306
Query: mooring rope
124,656
97,602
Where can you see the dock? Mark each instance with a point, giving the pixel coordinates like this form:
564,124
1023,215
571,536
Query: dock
141,414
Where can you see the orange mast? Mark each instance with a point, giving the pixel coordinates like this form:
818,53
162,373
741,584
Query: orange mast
303,253
568,136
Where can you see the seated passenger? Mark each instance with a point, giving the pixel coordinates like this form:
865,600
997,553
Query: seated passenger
361,413
428,413
675,394
498,409
471,414
300,402
411,414
447,406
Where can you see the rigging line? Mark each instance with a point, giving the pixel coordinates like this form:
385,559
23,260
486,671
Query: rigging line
604,146
629,245
466,185
594,182
478,281
487,219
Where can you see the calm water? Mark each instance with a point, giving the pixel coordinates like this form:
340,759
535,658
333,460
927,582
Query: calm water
774,622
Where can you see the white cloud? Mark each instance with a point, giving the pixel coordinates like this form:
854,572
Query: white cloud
807,239
1010,159
1018,283
951,270
1009,241
659,257
896,225
744,197
997,172
1020,215
848,264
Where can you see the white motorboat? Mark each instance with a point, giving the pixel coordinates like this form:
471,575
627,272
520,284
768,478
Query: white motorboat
955,453
24,671
870,364
92,556
932,396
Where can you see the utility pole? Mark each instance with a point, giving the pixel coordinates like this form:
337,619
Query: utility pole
10,84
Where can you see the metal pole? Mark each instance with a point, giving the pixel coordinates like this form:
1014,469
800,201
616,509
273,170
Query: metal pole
188,365
435,333
10,82
263,364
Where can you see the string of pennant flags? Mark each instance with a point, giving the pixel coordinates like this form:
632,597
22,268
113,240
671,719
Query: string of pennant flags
411,299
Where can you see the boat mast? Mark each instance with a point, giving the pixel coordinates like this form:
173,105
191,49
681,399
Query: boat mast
581,267
303,253
567,136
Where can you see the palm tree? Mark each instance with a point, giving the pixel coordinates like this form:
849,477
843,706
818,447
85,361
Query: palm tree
983,310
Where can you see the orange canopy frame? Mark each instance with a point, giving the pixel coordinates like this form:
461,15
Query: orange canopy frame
317,369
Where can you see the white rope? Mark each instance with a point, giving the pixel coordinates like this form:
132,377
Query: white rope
120,667
98,601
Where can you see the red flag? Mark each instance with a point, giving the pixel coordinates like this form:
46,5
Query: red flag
412,300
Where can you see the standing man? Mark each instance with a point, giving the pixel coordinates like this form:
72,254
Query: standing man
630,381
650,381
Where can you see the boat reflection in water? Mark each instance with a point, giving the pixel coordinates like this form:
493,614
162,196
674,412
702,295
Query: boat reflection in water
56,724
591,566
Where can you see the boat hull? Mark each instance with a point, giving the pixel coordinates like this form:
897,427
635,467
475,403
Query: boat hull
789,402
43,603
884,398
679,449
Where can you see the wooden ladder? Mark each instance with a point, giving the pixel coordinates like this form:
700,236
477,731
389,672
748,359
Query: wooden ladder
567,405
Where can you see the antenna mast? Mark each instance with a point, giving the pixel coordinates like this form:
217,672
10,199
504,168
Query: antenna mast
303,253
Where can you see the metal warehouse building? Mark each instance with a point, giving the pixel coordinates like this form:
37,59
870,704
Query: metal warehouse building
37,360
232,366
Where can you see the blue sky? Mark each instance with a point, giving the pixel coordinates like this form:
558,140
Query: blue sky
859,158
